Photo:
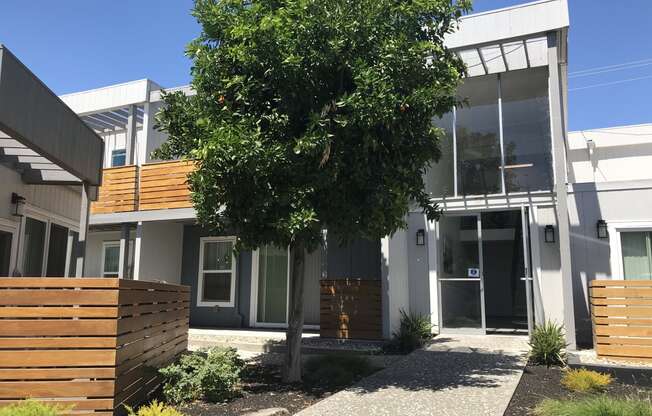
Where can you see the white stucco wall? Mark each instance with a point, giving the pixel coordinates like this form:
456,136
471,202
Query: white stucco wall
394,280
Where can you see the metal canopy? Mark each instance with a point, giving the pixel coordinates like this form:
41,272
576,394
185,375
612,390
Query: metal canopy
40,136
113,120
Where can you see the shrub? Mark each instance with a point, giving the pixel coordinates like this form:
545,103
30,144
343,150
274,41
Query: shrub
594,406
33,408
547,345
585,381
154,409
414,331
336,370
213,375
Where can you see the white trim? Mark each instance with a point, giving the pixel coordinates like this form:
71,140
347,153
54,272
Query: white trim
201,272
616,257
253,309
105,245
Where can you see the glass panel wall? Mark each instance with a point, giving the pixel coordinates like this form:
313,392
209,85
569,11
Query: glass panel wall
526,130
483,142
477,128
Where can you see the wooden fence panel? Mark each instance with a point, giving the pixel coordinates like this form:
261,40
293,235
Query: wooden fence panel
621,312
164,185
118,192
350,308
92,343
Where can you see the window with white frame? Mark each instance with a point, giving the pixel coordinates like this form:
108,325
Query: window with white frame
636,249
118,157
110,258
216,272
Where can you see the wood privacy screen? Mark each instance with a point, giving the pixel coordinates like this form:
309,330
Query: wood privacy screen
350,308
622,319
118,190
91,343
164,185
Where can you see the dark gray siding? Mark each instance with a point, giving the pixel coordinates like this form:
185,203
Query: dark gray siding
359,260
214,316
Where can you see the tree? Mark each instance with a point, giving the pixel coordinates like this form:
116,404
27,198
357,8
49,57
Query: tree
312,115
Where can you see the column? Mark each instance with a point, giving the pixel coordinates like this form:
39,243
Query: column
80,247
123,266
394,280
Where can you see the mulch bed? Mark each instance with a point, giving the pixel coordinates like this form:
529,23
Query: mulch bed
261,389
540,382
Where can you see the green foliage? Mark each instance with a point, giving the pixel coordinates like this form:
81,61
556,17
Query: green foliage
33,408
594,406
414,331
212,375
547,345
313,114
336,370
154,409
585,381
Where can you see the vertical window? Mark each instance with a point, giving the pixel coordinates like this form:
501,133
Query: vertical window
33,247
118,157
637,255
441,175
72,266
216,272
526,130
56,265
477,134
111,259
5,252
272,285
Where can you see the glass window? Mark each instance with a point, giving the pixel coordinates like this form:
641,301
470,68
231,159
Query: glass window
272,284
33,247
217,272
637,255
441,175
5,252
118,157
478,138
111,259
57,246
74,241
526,130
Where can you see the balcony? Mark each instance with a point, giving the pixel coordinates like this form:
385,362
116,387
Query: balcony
153,186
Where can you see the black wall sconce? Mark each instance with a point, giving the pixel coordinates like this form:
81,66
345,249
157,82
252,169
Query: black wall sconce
549,234
19,204
421,237
601,226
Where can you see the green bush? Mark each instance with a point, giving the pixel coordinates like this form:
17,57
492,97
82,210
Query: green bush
585,381
547,345
594,406
212,375
336,370
414,331
154,409
33,408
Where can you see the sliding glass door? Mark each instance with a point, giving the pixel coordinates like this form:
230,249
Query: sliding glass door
273,279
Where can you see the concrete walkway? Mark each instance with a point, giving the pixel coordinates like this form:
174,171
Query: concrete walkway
455,375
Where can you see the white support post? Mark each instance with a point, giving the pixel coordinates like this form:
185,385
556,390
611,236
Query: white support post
394,281
80,247
131,136
137,250
123,265
557,112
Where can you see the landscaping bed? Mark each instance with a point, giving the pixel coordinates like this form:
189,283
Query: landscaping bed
540,382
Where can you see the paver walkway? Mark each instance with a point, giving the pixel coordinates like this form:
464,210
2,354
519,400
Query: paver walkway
455,375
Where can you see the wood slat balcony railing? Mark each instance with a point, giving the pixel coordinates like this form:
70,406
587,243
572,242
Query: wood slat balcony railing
118,192
152,186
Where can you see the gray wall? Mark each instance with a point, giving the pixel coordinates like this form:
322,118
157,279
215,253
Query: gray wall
359,259
214,316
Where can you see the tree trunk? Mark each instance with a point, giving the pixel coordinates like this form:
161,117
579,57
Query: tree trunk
292,367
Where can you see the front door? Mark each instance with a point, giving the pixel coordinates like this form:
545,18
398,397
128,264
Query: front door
461,286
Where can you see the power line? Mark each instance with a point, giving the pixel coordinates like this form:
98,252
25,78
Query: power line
602,71
604,84
610,66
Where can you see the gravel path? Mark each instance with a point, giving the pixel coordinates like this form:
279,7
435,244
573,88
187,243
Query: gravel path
455,375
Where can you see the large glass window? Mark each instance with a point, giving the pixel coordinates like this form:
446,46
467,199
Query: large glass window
637,255
272,285
5,252
34,245
57,247
478,138
526,130
216,272
441,175
111,259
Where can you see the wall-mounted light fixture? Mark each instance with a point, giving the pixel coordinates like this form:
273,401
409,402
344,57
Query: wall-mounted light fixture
549,234
603,232
19,204
421,237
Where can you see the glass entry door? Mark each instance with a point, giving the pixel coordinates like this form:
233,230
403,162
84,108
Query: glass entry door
461,286
273,284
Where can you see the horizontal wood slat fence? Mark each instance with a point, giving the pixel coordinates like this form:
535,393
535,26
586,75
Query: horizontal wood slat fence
350,308
621,312
118,192
91,343
149,187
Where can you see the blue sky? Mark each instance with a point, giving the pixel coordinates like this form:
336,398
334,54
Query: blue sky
74,45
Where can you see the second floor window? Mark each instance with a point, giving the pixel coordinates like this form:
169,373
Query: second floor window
118,157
